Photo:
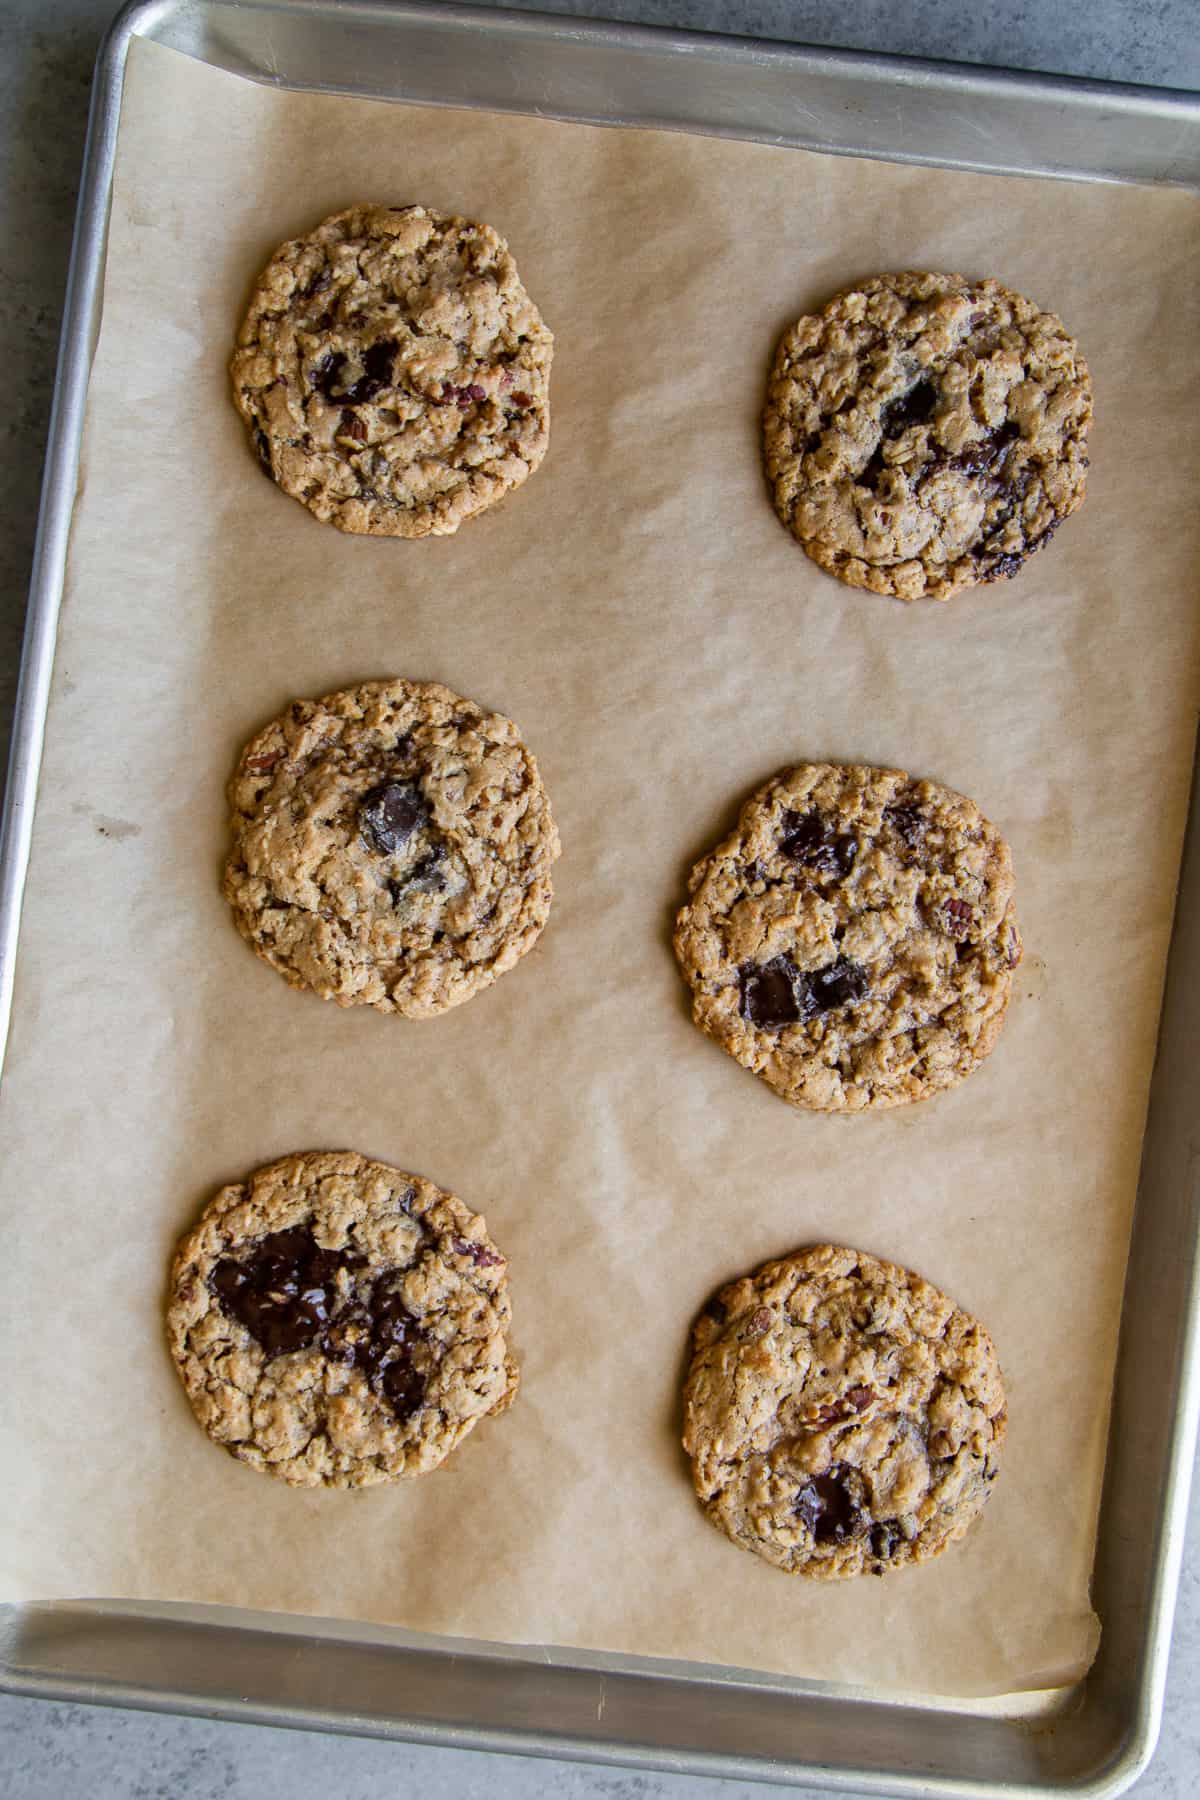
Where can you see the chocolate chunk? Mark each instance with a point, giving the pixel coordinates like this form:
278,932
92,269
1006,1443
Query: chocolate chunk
839,983
908,822
329,375
913,408
389,1364
716,1310
480,1255
389,815
809,839
803,834
380,1336
825,1508
284,1291
768,997
262,447
982,456
1005,567
324,374
352,426
380,360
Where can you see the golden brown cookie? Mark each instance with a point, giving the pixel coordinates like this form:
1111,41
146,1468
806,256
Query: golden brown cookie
392,847
853,942
393,372
339,1323
842,1415
924,433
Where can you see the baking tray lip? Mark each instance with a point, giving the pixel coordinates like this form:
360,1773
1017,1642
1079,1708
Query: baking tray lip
1130,1748
1110,1777
138,17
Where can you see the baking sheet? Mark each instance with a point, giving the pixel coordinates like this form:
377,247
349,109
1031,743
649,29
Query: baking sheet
665,647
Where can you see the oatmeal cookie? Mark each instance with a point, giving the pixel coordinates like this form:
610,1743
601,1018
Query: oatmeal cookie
924,433
842,1415
338,1323
392,847
393,372
853,942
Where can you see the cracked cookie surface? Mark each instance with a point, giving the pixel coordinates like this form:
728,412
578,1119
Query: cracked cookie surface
393,372
392,847
925,433
843,1417
339,1323
852,942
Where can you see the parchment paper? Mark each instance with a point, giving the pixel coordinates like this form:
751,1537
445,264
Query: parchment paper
665,647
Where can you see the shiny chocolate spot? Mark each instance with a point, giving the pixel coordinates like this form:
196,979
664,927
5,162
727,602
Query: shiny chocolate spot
389,1361
284,1291
825,1508
810,840
329,375
389,815
839,983
768,995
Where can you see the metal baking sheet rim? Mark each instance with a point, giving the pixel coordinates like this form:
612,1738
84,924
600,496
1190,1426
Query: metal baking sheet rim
682,1718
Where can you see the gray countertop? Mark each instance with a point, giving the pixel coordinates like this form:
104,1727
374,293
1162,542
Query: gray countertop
52,1751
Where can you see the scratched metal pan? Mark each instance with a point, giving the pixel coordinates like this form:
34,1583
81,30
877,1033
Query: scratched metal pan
682,1717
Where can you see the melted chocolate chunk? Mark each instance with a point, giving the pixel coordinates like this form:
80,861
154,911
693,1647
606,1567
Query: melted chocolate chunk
716,1310
913,408
768,994
1005,567
388,1359
262,447
809,839
324,374
982,456
389,815
908,822
824,1508
286,1295
284,1291
329,375
839,983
